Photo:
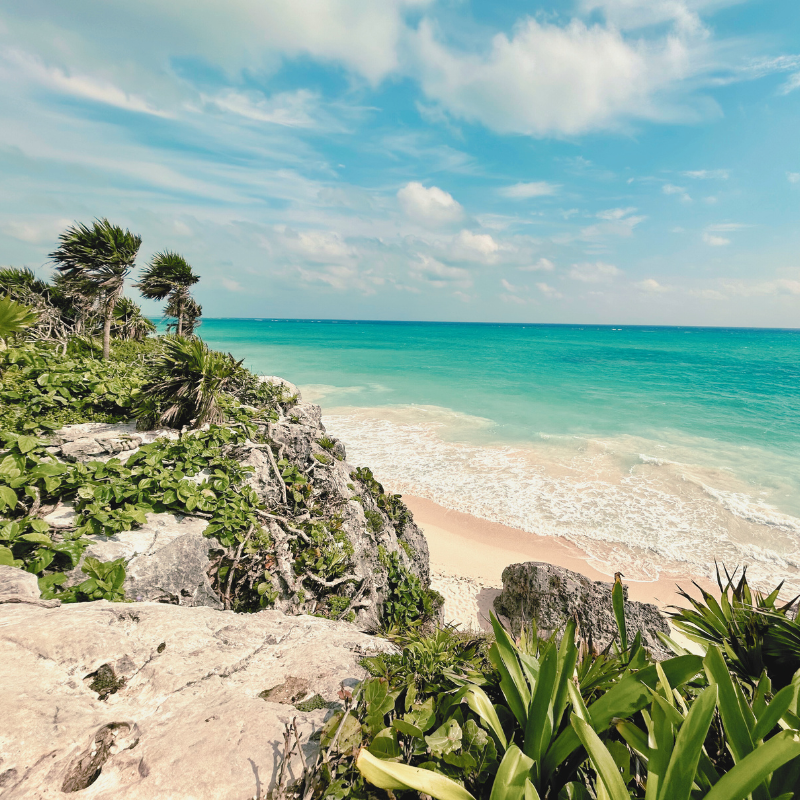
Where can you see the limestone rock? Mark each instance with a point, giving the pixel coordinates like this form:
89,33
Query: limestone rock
290,390
18,586
186,720
100,441
167,560
550,596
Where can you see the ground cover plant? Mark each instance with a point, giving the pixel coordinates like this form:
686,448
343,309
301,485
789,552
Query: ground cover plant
454,718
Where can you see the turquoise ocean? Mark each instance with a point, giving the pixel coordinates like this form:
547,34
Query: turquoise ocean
651,448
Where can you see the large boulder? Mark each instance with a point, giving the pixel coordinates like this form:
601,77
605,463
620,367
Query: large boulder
550,596
149,701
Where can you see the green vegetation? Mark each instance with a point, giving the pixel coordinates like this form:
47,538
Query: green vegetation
408,603
456,718
93,263
14,318
169,275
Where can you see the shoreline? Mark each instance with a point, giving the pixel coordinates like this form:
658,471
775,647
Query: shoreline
468,555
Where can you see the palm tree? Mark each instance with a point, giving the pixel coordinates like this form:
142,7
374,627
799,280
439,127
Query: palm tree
169,275
130,323
191,311
95,262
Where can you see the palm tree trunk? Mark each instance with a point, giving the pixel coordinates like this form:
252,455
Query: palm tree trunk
107,331
180,316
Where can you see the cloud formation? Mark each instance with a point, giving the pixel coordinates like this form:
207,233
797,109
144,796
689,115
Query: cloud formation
524,191
597,272
430,207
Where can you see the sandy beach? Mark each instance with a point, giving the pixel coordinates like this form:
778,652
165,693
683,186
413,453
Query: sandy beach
468,556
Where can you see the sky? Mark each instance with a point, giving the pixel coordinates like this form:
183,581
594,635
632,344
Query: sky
582,161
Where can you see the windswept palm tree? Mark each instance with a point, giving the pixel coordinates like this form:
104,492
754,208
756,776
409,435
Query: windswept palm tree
129,322
95,262
169,275
191,311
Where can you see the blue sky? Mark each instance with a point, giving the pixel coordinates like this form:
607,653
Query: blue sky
614,161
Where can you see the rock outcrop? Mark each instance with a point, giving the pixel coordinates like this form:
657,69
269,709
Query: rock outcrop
550,596
169,558
149,701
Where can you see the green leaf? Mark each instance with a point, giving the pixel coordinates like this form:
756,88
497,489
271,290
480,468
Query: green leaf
407,728
512,774
756,767
394,777
8,497
733,720
601,759
618,602
385,745
27,443
689,746
6,557
478,701
445,739
774,711
37,538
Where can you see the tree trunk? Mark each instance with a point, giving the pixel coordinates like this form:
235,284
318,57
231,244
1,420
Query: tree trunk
180,316
107,331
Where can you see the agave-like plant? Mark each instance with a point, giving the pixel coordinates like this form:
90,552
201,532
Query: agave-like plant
14,318
754,630
188,385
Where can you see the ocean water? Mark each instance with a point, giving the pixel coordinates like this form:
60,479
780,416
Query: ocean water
651,448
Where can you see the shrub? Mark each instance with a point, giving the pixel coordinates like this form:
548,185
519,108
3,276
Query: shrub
187,385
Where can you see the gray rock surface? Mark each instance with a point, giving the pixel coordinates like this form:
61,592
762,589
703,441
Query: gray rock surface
183,715
550,596
290,390
167,559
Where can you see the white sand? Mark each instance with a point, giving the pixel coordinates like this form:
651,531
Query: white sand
468,556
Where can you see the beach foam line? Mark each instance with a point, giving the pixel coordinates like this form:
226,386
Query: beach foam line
641,519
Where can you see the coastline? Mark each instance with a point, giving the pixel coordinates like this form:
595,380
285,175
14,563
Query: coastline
468,555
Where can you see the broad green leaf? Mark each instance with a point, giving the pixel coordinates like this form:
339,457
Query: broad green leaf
736,729
8,497
407,728
512,682
601,759
445,739
6,557
37,538
385,745
27,443
391,776
515,769
618,603
773,712
478,701
530,791
754,768
539,726
688,746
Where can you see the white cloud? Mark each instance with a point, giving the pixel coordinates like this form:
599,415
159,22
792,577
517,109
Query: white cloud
615,223
792,83
231,285
547,79
793,177
651,286
542,265
781,286
548,290
35,232
708,174
641,13
615,213
509,287
670,188
23,66
475,246
715,241
597,272
292,109
431,207
440,275
524,191
727,227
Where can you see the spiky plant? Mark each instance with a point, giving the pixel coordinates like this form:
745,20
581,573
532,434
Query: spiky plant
14,318
754,630
169,275
95,261
188,385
